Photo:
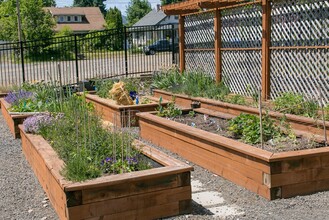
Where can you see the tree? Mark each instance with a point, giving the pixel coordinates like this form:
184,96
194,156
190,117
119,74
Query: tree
136,10
167,2
36,22
115,26
49,3
114,19
90,3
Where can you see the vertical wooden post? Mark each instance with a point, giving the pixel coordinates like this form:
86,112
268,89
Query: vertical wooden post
266,38
181,43
218,45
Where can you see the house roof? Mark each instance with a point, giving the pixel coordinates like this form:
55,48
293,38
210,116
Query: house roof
94,18
154,17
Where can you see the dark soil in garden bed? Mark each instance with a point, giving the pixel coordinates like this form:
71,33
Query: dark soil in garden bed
220,126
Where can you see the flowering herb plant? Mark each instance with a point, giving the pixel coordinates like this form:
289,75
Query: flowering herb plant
81,141
34,98
14,98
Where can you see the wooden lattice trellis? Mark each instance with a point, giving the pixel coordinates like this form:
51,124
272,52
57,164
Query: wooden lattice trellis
242,31
278,46
199,43
302,70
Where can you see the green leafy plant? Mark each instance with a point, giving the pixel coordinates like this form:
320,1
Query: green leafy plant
85,145
170,110
103,87
191,113
326,112
190,83
291,103
247,127
236,99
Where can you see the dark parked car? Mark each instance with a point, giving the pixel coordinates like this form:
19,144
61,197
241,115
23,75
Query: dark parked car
160,45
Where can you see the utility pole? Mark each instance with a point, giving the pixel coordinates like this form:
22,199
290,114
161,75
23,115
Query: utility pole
19,24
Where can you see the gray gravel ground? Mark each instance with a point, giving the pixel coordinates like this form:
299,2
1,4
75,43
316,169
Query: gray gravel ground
22,197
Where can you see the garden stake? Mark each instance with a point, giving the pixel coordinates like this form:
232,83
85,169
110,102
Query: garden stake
60,84
323,118
260,117
114,137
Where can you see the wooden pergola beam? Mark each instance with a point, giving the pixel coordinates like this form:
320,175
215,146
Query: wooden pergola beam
211,5
180,11
192,6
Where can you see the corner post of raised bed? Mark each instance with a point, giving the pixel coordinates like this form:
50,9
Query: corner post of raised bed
181,43
218,45
266,38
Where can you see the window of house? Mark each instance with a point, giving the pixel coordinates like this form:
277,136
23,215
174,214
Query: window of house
68,18
61,19
76,18
176,17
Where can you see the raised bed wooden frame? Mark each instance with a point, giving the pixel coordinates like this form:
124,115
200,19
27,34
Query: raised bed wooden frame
119,114
2,95
12,120
300,124
271,175
148,194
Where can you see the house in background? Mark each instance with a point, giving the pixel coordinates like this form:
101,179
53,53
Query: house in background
79,19
162,25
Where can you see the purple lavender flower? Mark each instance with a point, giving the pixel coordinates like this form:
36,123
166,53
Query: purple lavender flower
131,160
15,97
108,160
34,123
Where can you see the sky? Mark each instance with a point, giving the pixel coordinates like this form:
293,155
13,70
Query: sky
120,4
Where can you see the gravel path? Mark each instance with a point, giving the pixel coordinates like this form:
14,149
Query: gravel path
22,197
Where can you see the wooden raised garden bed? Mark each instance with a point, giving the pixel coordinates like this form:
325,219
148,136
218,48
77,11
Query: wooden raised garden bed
300,124
2,95
148,194
271,175
121,115
12,120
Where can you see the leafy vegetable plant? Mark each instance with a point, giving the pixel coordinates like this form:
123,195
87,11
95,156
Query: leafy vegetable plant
247,127
170,111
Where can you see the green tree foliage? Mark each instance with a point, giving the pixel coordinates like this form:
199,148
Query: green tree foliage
49,3
65,31
90,3
136,10
114,19
36,23
95,40
114,24
167,2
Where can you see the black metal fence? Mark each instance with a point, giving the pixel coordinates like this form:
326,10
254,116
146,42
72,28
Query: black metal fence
103,54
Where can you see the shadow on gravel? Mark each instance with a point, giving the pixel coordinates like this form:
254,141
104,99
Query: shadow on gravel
198,209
